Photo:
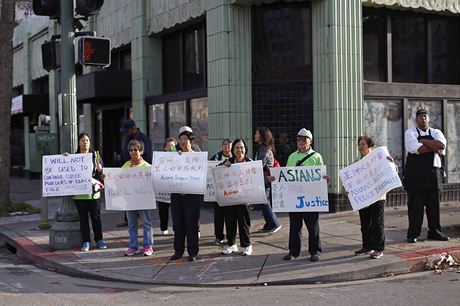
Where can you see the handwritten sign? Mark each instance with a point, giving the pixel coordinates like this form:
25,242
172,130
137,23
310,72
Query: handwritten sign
299,189
210,195
129,189
369,179
67,175
163,197
179,173
241,183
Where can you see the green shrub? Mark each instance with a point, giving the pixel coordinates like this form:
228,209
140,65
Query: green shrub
18,207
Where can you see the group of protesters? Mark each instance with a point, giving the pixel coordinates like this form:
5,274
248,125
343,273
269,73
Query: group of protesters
424,144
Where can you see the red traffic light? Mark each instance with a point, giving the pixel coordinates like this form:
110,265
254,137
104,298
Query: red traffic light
94,51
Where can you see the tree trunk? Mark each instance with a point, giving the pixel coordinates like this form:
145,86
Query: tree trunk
6,86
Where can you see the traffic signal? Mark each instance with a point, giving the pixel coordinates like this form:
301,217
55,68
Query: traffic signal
46,8
94,51
88,7
51,55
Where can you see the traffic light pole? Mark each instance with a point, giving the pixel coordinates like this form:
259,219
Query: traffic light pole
66,233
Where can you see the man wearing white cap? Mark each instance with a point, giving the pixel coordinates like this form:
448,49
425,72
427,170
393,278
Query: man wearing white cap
304,156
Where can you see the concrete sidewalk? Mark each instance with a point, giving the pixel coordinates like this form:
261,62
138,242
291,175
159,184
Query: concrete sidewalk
340,234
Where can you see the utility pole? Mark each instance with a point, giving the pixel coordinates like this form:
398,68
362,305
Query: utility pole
66,233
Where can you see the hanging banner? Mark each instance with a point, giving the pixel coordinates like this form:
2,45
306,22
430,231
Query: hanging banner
65,175
129,189
211,190
299,189
179,173
370,178
241,183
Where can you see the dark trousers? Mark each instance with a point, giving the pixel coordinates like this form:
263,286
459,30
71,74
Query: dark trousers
311,220
372,224
418,200
93,209
163,213
237,215
185,212
219,222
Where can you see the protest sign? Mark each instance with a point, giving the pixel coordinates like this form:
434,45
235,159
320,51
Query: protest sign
179,173
241,183
210,195
370,178
129,189
65,175
163,197
299,189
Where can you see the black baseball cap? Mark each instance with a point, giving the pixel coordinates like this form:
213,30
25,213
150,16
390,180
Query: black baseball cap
421,111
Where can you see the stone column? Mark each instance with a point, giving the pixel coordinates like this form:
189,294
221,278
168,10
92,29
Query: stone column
228,31
337,84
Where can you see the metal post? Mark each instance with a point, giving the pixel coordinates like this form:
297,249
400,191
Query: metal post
43,225
66,233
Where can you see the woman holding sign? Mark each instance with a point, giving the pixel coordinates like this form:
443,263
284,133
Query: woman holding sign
185,209
90,204
372,221
237,214
136,149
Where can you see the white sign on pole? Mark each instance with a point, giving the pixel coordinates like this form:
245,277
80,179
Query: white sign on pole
210,195
65,175
241,183
129,189
163,197
179,173
370,178
299,189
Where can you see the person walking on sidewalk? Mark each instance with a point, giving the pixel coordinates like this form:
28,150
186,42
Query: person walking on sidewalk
264,138
163,208
219,220
131,132
371,217
185,209
237,215
136,149
90,204
304,156
422,177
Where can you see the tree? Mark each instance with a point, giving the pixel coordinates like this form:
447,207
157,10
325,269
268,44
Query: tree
7,24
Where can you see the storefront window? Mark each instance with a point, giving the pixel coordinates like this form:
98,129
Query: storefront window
374,45
157,126
453,135
177,117
383,123
199,121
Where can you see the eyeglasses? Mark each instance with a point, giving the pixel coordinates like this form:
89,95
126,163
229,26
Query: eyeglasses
133,150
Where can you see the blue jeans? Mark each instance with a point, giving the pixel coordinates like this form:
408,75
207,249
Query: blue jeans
146,218
271,221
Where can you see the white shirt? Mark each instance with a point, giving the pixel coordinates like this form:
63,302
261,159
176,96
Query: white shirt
412,144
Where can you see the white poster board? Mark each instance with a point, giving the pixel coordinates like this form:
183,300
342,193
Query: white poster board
241,183
370,178
163,197
299,189
179,173
65,175
129,189
211,190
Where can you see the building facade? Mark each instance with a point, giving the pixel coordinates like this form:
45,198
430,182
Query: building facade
341,68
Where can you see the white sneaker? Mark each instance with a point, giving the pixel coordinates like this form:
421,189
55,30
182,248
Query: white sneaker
230,249
247,250
164,232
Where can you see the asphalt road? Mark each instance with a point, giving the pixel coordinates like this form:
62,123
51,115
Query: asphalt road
22,283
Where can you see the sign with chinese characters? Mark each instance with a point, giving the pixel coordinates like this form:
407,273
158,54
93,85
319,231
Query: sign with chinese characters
65,175
179,173
299,189
370,178
129,188
210,195
241,183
